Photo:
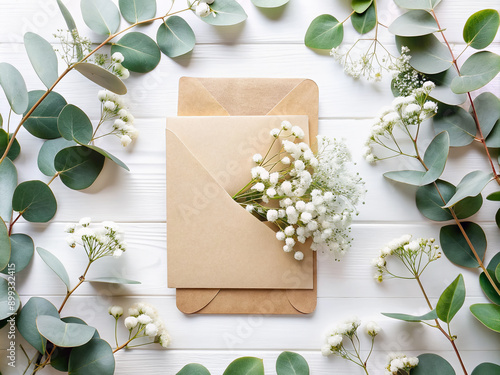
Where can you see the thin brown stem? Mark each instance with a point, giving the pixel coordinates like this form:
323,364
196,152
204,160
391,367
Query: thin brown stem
80,282
123,346
12,223
53,178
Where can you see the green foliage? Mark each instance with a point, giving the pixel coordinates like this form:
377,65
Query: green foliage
70,22
66,335
112,280
456,248
140,51
8,183
457,122
137,10
95,357
14,87
431,315
109,156
78,166
269,3
101,16
486,368
289,363
493,139
366,21
55,265
26,321
417,4
477,71
487,107
228,12
324,32
42,58
22,249
414,23
43,121
102,77
194,369
428,54
471,185
34,201
481,28
74,125
432,364
442,92
5,245
175,37
48,152
9,300
245,366
14,151
451,300
485,284
488,314
360,6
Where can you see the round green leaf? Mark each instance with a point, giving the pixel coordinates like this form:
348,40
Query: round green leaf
14,151
78,166
42,58
74,125
485,284
486,368
102,77
14,87
245,366
66,335
457,122
451,300
487,107
48,152
470,186
481,28
141,53
417,4
175,37
291,363
43,121
442,92
360,6
324,32
194,369
269,3
9,299
95,357
435,157
55,265
112,280
70,22
227,12
365,21
5,245
101,16
414,23
428,54
494,196
22,249
477,71
137,10
26,321
488,314
493,139
108,155
455,246
432,364
431,315
34,201
8,183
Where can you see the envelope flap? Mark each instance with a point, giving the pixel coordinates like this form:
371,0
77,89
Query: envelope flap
196,100
190,301
302,300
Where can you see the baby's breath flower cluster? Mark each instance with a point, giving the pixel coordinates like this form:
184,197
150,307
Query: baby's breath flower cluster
72,45
405,78
317,193
103,240
400,364
416,255
202,7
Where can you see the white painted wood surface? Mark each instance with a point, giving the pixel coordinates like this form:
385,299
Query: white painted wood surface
268,44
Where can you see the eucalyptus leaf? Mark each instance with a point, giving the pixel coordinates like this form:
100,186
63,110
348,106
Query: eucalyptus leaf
22,249
481,28
26,321
8,183
141,53
66,335
78,166
5,245
488,314
48,152
112,280
14,87
227,12
102,77
471,185
457,122
101,16
366,21
456,248
432,364
14,151
417,4
55,265
497,218
106,154
431,315
70,22
494,196
451,300
245,366
485,284
428,54
477,71
95,357
9,300
486,368
34,201
175,37
359,6
442,92
194,369
74,125
493,139
291,363
487,106
43,121
137,10
414,23
406,177
324,32
269,3
42,57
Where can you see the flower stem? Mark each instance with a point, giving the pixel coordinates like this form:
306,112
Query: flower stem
70,292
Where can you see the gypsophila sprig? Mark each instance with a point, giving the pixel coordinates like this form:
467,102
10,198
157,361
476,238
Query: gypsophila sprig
72,46
400,364
317,193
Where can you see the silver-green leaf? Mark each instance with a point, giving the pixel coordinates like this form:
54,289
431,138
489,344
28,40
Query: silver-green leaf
269,3
137,10
227,12
8,183
14,87
428,54
5,247
101,16
175,37
42,58
55,265
417,4
102,77
457,122
470,186
65,335
414,23
477,71
481,28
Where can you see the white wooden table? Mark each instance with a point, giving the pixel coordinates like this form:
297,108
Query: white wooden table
268,44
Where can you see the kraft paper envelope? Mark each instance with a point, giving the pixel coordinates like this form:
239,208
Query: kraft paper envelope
223,97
